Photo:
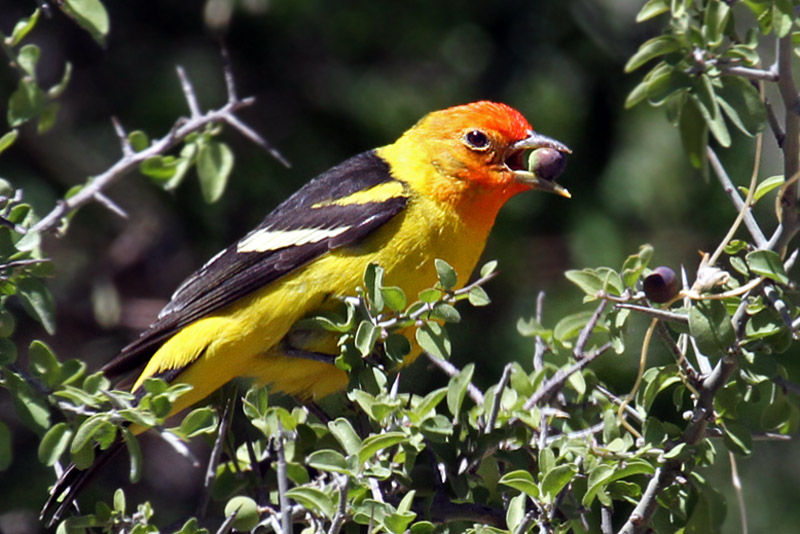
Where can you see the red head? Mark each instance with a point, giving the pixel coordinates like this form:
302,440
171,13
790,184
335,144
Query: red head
474,153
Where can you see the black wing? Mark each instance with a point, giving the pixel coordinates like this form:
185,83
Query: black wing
306,225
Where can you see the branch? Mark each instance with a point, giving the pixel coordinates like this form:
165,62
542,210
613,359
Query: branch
283,484
788,226
656,313
730,190
639,520
131,160
750,73
556,382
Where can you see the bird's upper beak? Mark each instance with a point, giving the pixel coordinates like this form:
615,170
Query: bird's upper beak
548,165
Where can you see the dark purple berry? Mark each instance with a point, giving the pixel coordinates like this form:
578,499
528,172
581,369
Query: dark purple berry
661,285
547,163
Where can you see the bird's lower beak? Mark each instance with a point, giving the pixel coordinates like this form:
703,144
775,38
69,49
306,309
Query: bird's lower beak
545,165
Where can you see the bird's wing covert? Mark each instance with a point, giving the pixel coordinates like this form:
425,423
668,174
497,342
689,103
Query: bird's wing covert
336,209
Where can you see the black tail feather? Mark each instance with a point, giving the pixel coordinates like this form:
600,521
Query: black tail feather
71,482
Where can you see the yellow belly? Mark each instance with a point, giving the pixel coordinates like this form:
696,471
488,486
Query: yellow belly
244,339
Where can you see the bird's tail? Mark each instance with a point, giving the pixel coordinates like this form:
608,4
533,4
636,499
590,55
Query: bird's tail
72,481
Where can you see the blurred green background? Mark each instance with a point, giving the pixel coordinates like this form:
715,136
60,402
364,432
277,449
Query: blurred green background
331,80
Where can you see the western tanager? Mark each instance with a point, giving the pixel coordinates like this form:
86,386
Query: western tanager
434,193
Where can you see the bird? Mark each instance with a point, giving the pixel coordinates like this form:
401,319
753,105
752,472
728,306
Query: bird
432,194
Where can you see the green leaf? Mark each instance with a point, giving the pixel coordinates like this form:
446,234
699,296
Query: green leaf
328,460
44,363
91,15
214,166
708,105
314,500
765,186
446,273
717,16
138,140
694,133
651,9
457,389
742,103
38,302
87,430
54,443
557,478
47,118
571,325
56,90
430,401
27,58
521,480
6,454
430,295
373,281
378,442
160,168
488,268
737,439
446,313
366,336
394,297
8,352
199,421
655,47
478,296
23,28
710,325
662,86
344,434
782,17
767,263
433,339
8,139
397,347
25,103
515,513
134,453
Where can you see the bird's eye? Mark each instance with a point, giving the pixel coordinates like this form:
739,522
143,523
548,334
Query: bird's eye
477,139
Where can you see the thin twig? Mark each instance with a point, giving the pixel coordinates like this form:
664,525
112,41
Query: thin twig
586,331
179,446
216,453
737,487
787,385
188,93
539,346
130,161
774,124
343,482
788,225
283,483
750,73
738,203
605,520
656,313
498,396
639,520
560,377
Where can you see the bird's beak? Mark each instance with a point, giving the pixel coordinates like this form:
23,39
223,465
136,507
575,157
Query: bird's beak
547,164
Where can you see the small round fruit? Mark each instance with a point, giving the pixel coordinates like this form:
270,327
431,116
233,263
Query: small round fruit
246,511
661,285
546,163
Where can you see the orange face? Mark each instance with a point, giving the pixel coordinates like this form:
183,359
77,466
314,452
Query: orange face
483,145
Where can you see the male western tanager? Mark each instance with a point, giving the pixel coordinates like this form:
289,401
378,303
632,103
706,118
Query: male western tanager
434,193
